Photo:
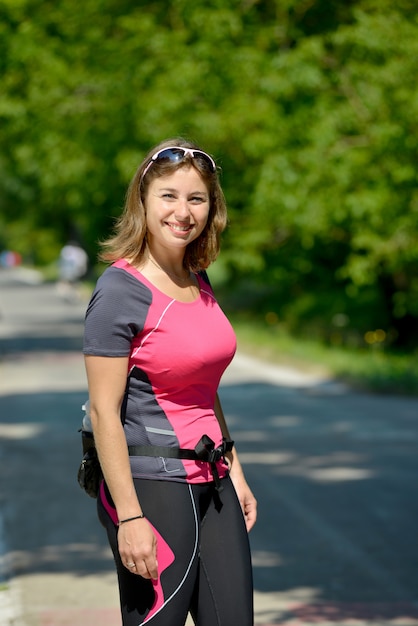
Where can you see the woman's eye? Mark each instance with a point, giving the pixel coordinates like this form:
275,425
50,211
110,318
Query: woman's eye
168,195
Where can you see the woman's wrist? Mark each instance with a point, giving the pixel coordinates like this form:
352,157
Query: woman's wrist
235,467
131,519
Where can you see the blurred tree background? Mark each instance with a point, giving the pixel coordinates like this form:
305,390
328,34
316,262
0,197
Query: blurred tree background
309,106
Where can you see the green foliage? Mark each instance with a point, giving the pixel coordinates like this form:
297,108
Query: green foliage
335,201
309,107
367,369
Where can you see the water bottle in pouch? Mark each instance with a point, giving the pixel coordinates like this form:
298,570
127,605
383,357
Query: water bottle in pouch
89,473
87,428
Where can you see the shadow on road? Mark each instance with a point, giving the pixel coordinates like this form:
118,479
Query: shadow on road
50,523
335,477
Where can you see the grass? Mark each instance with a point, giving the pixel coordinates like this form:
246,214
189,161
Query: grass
371,369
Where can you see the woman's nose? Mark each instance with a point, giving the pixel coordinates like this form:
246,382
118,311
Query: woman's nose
182,209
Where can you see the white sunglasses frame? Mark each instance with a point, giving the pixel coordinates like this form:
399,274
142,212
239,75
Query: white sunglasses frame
191,151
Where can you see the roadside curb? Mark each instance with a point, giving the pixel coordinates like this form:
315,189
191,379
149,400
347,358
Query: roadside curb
10,604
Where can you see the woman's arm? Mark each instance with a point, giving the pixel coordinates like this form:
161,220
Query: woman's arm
245,495
107,381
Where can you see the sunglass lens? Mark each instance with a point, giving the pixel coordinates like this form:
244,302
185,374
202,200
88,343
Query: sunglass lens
204,160
174,155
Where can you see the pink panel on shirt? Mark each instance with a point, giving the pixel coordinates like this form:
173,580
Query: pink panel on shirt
184,349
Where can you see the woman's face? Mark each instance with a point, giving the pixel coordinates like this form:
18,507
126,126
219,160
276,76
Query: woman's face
177,208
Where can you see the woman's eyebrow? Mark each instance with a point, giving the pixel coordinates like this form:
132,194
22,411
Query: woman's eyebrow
174,190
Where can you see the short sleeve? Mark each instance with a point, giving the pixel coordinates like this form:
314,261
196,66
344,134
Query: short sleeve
116,314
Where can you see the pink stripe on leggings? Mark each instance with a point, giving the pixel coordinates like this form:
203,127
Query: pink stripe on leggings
165,556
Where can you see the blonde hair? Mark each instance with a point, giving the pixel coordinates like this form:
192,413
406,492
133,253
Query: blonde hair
130,235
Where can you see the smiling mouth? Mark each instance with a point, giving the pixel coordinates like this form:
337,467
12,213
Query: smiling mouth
180,229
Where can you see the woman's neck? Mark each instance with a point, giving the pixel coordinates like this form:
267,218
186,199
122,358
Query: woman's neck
175,271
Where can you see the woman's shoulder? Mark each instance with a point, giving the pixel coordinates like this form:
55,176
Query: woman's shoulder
120,292
116,313
117,279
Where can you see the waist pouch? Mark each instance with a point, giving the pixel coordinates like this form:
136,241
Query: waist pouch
89,473
204,451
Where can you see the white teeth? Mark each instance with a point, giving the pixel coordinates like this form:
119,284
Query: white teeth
180,228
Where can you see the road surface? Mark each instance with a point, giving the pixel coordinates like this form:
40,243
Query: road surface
334,472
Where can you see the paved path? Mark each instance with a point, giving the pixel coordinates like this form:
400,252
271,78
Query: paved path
334,471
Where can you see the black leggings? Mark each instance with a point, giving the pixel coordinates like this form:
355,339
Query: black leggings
203,556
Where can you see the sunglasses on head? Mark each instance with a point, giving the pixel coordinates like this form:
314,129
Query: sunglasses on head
175,154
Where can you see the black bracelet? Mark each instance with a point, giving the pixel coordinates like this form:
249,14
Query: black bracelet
130,519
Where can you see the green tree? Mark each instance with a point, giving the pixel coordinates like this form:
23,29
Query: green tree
332,220
310,108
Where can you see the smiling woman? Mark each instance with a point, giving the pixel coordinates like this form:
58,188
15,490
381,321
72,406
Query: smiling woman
130,239
156,345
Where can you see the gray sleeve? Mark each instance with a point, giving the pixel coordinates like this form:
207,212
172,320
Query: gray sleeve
116,314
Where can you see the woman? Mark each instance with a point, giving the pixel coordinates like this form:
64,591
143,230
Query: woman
174,500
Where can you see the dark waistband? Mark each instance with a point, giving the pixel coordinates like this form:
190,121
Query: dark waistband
204,451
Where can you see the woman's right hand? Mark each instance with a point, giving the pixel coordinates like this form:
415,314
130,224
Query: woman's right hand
136,539
138,545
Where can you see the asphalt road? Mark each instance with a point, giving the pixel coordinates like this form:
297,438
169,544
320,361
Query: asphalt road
334,472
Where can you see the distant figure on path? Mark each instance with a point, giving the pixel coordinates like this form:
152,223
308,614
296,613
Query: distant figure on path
73,264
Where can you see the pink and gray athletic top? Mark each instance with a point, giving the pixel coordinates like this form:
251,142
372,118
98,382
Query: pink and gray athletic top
177,354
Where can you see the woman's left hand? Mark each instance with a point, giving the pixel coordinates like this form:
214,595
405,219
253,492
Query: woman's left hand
244,493
246,498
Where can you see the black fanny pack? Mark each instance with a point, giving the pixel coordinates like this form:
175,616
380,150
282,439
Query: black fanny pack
90,473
